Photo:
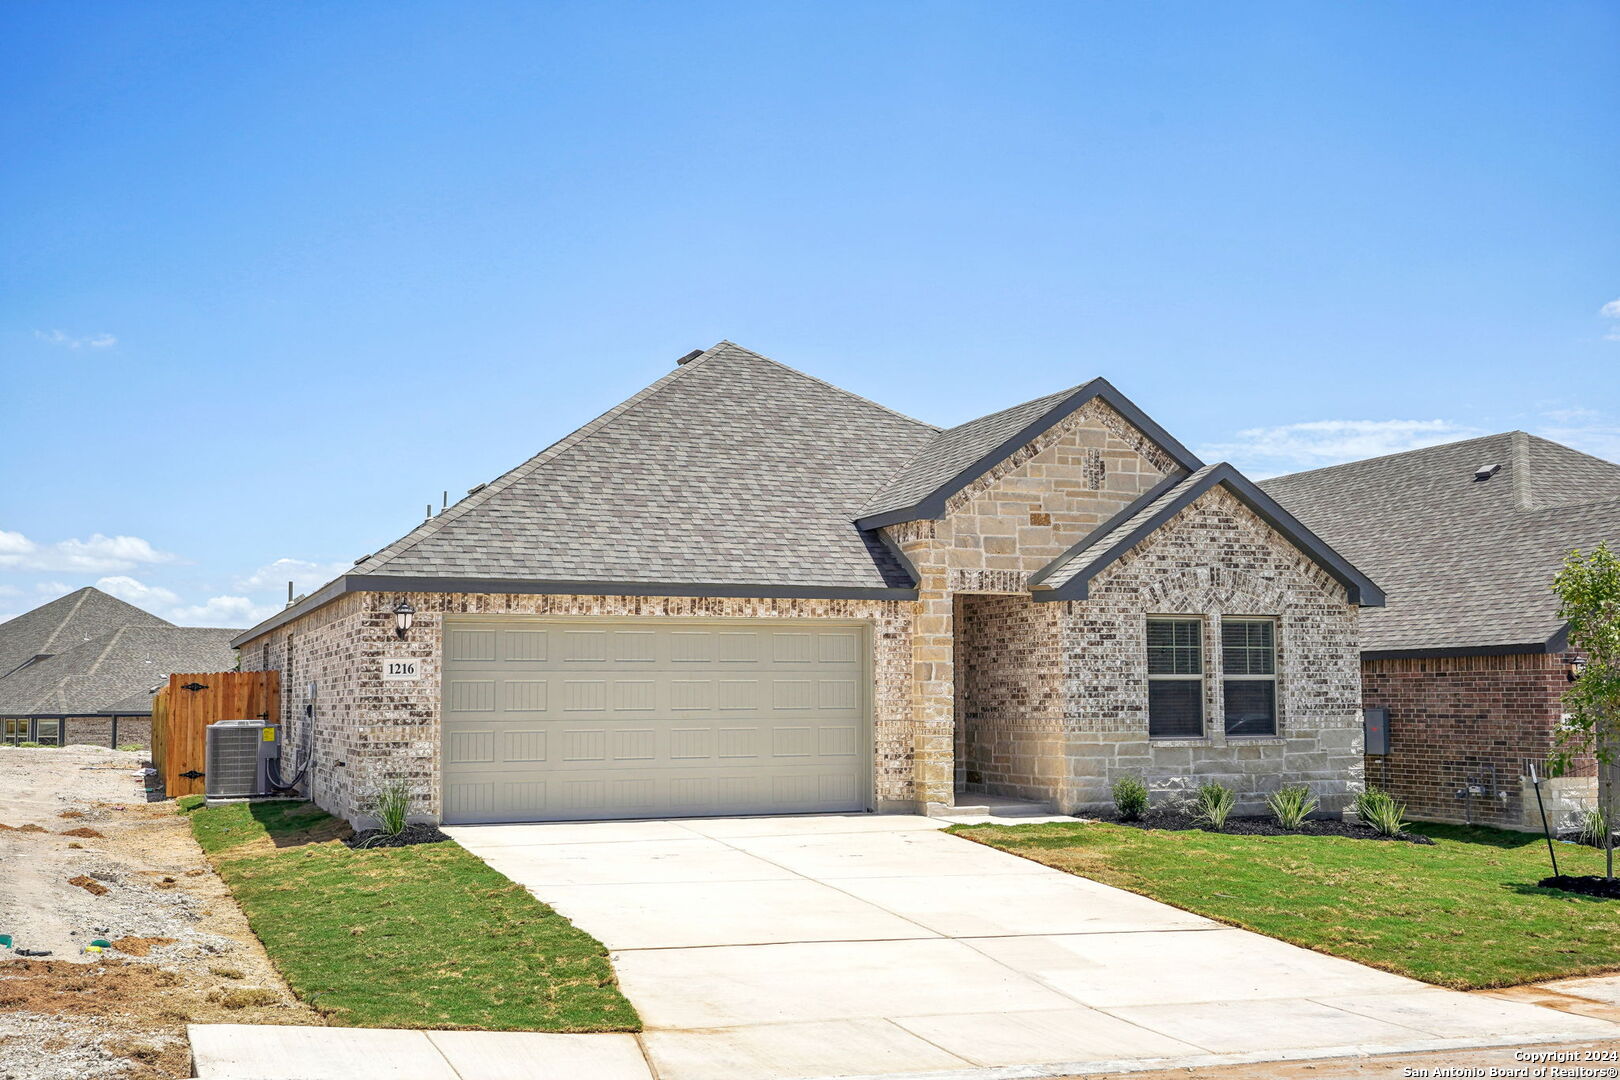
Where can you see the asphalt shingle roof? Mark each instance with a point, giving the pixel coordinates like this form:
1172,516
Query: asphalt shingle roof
1464,563
89,653
1084,554
732,469
951,452
94,675
65,622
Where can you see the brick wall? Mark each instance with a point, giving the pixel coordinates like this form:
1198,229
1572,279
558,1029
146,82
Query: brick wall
1009,663
98,731
1464,721
369,732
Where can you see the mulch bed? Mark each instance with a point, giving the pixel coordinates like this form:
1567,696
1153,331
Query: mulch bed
1587,885
1175,821
413,834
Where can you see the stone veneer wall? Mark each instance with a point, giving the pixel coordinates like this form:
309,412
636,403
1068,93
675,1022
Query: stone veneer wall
368,731
1460,721
1009,663
1215,558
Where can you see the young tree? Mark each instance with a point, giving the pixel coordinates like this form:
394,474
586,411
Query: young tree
1588,589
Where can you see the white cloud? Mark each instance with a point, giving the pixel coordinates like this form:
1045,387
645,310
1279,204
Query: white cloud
1269,451
10,590
97,555
304,575
52,588
137,593
1611,310
1587,430
68,341
223,611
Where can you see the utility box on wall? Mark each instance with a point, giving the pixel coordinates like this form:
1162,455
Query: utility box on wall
1375,729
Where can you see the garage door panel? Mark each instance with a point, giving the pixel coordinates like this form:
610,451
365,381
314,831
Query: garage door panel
552,720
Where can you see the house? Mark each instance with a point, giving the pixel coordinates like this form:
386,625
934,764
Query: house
1469,656
745,590
82,669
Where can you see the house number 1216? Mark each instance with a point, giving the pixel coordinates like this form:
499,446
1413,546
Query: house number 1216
401,670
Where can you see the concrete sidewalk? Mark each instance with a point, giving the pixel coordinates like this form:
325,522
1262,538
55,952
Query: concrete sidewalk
865,945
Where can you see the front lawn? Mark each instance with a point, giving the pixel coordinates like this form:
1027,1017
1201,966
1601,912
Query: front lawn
420,937
1464,912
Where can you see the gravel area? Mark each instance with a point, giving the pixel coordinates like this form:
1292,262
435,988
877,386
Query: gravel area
84,855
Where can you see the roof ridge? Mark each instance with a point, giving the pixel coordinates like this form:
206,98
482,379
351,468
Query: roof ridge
829,385
84,594
572,440
112,639
1384,457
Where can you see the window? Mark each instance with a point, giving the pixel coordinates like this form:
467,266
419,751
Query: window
1249,675
48,732
1175,678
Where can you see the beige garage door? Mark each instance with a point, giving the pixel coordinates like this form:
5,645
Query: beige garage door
582,719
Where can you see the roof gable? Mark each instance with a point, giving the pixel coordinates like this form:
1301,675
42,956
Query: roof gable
953,459
1069,576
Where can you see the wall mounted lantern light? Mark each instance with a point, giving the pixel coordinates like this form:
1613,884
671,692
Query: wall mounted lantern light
404,615
1576,665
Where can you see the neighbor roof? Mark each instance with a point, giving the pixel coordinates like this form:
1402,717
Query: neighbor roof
65,622
1467,564
88,653
114,669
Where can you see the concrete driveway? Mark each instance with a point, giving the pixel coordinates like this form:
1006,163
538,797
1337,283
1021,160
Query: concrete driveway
876,945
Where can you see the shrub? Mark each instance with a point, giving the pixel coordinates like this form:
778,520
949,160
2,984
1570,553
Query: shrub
1381,813
1291,805
390,805
1130,798
1594,827
1213,805
131,747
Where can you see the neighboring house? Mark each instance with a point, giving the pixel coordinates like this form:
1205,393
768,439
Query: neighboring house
745,590
1469,656
82,669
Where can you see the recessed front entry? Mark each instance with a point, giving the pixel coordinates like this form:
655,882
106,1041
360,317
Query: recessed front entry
582,719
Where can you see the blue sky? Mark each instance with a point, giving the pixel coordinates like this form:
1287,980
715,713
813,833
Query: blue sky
275,275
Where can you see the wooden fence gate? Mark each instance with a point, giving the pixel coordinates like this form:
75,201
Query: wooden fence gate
182,711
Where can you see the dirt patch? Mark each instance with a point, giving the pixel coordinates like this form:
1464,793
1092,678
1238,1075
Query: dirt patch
140,946
173,923
89,885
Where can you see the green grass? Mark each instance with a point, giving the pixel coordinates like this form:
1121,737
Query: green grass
1464,913
421,937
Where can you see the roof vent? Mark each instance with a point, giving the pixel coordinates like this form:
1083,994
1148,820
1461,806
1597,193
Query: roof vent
1485,472
361,559
476,488
689,357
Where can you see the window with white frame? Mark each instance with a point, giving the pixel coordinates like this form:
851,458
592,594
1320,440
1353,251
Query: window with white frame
1249,675
1175,662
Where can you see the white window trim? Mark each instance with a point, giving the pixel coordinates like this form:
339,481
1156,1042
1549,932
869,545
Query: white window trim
1203,674
1276,689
